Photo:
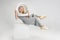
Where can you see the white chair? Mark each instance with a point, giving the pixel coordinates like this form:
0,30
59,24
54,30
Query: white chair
21,30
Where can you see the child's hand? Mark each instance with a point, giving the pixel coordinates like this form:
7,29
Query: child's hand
42,17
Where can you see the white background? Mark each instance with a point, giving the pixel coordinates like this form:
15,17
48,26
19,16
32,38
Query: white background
50,8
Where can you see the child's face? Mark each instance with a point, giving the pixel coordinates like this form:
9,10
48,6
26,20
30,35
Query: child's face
21,9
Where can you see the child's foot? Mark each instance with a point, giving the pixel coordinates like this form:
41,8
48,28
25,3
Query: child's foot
44,28
42,17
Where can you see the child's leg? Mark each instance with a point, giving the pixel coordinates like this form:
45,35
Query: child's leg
41,17
37,23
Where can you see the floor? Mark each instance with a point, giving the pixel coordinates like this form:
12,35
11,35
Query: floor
34,34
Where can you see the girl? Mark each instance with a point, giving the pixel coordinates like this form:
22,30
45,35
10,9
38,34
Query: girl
23,14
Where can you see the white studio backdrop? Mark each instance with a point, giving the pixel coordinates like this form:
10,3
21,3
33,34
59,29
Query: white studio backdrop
49,8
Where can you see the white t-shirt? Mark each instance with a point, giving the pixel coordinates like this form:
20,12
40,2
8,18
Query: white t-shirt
25,14
20,14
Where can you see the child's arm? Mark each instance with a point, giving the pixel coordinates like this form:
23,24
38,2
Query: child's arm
28,14
16,14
